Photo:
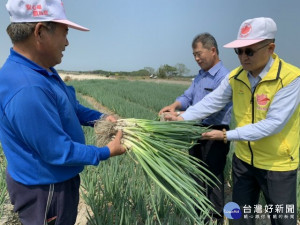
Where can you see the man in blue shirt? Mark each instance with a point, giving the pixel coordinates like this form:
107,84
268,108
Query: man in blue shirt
213,153
40,127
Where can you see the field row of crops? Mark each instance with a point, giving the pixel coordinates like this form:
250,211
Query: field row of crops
134,99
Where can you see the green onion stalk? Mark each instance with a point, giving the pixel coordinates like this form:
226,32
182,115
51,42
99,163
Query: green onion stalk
161,148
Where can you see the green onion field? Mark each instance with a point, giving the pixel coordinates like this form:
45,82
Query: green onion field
117,190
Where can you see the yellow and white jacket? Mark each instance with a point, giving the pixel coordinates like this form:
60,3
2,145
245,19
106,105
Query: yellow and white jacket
279,152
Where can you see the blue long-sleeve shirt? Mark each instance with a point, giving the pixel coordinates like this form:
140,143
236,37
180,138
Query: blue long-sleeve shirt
40,126
203,84
278,114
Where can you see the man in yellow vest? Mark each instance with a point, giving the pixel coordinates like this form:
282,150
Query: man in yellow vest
266,95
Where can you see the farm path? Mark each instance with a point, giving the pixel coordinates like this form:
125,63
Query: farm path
83,208
98,106
83,211
70,76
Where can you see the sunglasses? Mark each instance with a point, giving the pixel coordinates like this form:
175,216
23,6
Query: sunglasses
248,51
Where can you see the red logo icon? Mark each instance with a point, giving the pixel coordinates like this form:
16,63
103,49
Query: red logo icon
262,99
245,30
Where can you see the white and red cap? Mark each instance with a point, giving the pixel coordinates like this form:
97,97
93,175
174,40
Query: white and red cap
253,31
22,11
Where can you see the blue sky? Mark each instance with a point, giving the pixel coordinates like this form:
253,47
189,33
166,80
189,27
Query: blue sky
129,35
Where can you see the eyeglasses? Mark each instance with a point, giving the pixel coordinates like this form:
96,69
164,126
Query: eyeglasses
248,51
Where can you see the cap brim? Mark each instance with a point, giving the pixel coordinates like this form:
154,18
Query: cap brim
242,43
72,25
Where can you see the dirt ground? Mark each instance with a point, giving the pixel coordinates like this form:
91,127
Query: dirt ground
83,210
98,77
83,76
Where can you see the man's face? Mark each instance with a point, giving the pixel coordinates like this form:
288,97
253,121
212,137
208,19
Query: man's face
254,58
54,44
204,57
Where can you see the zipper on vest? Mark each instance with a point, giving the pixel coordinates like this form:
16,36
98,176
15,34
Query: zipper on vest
249,145
252,103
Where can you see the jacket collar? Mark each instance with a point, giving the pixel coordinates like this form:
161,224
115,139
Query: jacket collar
214,70
272,74
18,58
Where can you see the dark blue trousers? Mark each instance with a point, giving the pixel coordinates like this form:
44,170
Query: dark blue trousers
278,187
41,204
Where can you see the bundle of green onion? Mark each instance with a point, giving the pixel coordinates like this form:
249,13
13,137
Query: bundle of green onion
161,148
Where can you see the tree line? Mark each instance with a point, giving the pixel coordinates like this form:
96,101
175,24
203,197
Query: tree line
164,71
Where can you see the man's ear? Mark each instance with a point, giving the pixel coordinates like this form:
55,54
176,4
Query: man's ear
38,30
214,50
272,48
